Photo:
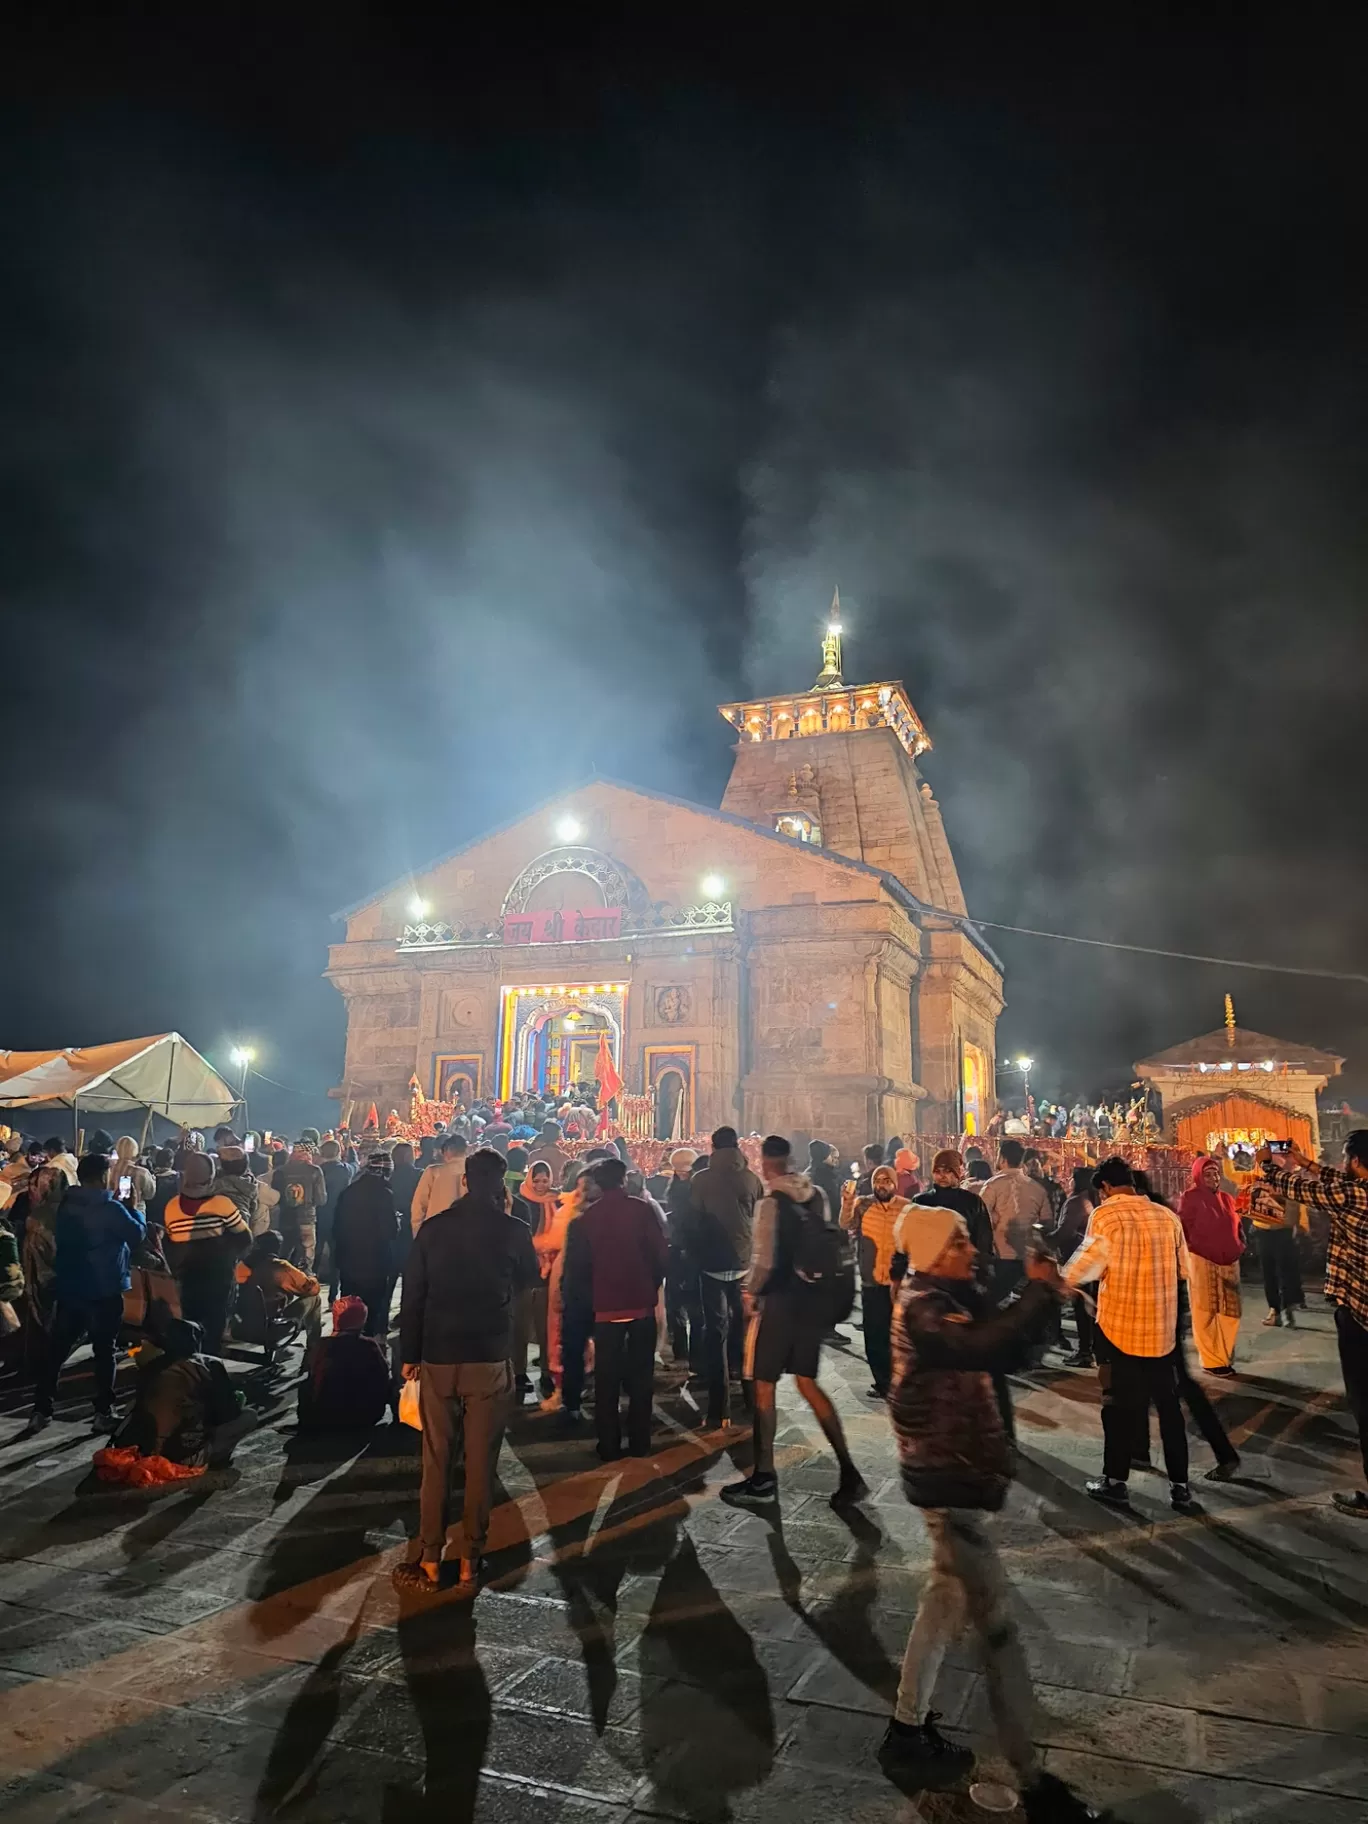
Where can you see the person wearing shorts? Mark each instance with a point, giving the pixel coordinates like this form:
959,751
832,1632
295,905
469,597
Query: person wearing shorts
787,1321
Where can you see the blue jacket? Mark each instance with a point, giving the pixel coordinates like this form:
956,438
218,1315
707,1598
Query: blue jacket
93,1233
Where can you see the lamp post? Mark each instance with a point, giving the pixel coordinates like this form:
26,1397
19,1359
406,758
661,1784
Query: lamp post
1024,1066
242,1056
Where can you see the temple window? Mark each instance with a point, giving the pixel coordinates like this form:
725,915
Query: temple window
801,828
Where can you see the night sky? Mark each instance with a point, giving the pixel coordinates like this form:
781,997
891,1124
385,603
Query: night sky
396,428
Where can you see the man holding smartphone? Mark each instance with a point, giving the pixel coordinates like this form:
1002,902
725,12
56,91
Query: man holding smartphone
1343,1195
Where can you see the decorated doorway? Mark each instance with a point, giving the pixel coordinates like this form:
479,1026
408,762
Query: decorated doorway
549,1036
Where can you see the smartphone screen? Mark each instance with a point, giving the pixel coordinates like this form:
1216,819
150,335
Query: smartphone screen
125,1186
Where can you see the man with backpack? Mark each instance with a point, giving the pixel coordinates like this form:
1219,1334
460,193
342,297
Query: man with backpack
801,1281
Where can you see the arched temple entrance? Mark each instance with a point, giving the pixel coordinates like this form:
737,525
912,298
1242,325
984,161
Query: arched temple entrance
550,1037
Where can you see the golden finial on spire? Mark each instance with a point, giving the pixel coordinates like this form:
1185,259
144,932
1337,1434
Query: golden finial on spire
1230,1020
829,677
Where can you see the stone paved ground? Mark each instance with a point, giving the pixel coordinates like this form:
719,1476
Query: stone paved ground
235,1650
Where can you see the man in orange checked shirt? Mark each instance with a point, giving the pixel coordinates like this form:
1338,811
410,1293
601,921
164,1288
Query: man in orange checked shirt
1135,1249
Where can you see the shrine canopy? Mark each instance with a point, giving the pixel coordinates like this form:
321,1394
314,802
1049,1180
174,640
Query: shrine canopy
163,1074
1234,1087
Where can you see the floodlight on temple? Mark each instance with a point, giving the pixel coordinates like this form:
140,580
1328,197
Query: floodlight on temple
832,707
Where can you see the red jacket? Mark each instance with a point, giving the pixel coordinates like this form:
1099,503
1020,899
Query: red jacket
625,1255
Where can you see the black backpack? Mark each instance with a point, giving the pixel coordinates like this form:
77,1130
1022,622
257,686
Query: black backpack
814,1251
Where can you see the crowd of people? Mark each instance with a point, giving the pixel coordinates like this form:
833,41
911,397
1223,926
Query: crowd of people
509,1253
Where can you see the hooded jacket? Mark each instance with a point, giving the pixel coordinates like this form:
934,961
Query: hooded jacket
93,1233
724,1195
823,1173
770,1271
947,1344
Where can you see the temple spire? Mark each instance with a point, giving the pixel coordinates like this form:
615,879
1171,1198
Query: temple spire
1230,1020
829,677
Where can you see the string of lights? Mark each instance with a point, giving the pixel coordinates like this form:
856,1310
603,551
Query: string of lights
1181,956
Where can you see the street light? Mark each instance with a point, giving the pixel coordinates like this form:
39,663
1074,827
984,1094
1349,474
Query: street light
242,1056
1024,1066
569,829
713,886
419,907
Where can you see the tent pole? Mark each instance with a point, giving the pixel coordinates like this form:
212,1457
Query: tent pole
147,1122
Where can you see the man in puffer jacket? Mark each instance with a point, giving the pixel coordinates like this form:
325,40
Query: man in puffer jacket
957,1462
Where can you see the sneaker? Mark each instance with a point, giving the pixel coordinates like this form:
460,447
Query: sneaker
917,1757
851,1489
1048,1800
1271,1321
1223,1472
39,1422
1079,1359
754,1491
1355,1503
105,1422
1109,1493
876,1392
1181,1501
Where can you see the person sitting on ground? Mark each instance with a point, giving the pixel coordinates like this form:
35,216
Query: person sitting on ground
441,1184
957,1463
347,1384
617,1254
875,1219
365,1239
182,1404
466,1268
93,1234
288,1291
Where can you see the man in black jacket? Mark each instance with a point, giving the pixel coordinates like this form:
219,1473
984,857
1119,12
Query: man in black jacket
365,1237
957,1463
464,1272
723,1196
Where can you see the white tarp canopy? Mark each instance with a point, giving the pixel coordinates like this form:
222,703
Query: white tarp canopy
164,1074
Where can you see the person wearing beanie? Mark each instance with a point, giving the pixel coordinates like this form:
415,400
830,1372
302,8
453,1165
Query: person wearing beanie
957,1463
822,1171
347,1384
906,1164
949,1192
722,1196
875,1219
206,1234
798,1265
286,1290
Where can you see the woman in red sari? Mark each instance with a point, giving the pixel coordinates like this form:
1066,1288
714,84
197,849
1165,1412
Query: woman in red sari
1212,1227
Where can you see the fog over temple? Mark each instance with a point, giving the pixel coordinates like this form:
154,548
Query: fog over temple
799,960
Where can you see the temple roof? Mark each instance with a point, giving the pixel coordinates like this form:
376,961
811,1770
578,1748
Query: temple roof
907,899
1238,1045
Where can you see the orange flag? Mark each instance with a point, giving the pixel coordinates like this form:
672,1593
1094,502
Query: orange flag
605,1072
372,1119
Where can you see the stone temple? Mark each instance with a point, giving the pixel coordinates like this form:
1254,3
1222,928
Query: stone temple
798,961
